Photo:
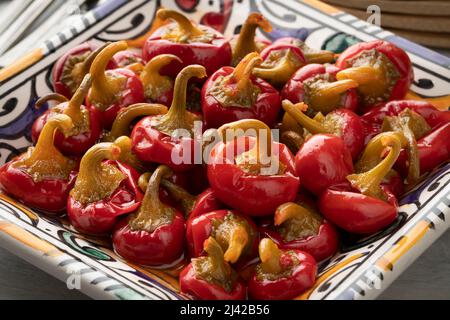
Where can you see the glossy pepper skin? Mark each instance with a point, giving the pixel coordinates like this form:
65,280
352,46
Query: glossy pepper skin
343,123
112,90
246,41
316,85
383,70
373,119
152,136
70,69
154,234
42,177
323,161
365,206
242,181
210,277
87,121
236,234
232,94
299,226
282,274
105,189
280,62
193,44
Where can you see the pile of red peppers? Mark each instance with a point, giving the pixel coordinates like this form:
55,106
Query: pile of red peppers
255,217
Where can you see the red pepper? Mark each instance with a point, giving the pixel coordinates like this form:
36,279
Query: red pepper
154,234
232,94
87,121
282,274
250,175
311,55
211,277
42,177
280,62
301,227
373,119
343,123
70,69
193,44
105,189
247,42
152,136
323,161
316,85
115,89
373,207
235,233
158,88
383,70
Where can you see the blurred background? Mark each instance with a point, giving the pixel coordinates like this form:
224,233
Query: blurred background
24,24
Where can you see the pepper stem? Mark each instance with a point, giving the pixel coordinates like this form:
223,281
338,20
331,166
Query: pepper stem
282,71
368,183
96,179
244,69
180,195
186,29
45,160
50,97
259,158
126,155
325,96
371,79
177,117
218,268
154,83
122,123
270,256
246,40
105,89
289,210
152,212
238,240
86,64
73,109
297,110
321,56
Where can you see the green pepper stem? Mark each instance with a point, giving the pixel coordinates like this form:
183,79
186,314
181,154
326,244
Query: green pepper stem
325,96
246,40
185,26
322,56
282,71
97,180
105,89
244,69
151,78
152,212
238,240
121,125
177,117
220,270
180,195
250,124
50,97
289,210
368,183
126,155
296,112
270,255
73,109
86,64
45,160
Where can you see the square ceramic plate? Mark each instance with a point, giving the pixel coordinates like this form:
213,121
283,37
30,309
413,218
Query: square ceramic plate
361,271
